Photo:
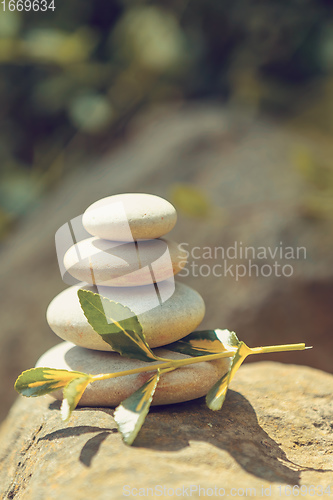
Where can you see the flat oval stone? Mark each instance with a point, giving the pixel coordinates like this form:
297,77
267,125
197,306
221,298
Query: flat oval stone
114,263
128,217
183,384
175,311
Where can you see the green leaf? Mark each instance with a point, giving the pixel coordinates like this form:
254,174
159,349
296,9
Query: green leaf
205,342
216,396
131,413
72,395
40,381
123,334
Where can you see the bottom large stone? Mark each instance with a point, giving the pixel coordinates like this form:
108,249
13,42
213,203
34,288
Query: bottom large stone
183,384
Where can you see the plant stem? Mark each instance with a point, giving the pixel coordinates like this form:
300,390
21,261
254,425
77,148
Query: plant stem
279,348
198,359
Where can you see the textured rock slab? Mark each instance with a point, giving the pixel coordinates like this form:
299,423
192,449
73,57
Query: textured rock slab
187,383
130,216
111,263
274,429
181,311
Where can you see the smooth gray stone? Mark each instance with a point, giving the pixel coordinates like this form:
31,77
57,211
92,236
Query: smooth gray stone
130,216
183,384
114,263
180,312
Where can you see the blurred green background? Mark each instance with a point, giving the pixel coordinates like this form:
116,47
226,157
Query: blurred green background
72,79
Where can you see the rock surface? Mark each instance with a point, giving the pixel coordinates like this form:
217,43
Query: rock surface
275,429
184,384
165,318
109,263
130,216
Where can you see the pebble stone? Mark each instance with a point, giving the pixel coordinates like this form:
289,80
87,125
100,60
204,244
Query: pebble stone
183,384
181,311
128,217
114,263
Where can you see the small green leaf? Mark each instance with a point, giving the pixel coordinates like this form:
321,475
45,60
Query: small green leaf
40,381
72,395
131,413
205,342
117,325
216,396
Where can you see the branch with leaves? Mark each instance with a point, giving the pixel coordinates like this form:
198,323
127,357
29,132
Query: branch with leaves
126,337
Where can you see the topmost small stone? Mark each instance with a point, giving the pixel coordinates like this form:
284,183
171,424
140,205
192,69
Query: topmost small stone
130,216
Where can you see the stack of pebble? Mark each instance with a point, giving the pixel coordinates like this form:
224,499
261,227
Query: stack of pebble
128,261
